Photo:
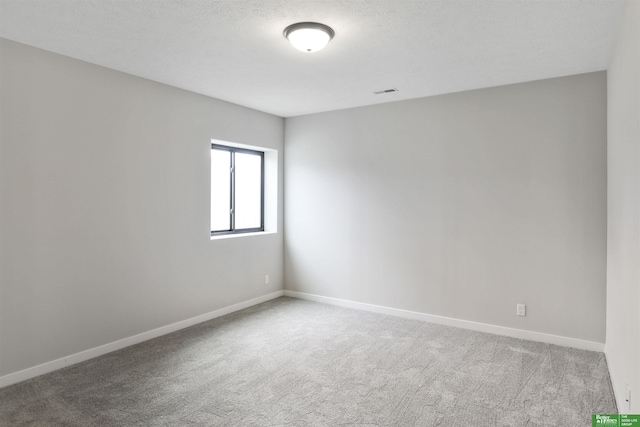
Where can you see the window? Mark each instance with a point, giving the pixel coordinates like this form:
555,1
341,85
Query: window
237,190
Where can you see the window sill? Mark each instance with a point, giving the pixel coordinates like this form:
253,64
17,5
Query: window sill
233,236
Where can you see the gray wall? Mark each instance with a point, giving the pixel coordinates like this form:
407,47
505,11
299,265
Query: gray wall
460,205
623,261
104,185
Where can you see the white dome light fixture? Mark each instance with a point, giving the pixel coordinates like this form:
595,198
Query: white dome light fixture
308,36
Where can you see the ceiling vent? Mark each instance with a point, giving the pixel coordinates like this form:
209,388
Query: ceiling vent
380,92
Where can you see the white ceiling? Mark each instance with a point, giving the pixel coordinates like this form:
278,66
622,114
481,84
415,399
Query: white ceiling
235,50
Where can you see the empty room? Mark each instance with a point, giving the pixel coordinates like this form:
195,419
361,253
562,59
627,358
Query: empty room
320,213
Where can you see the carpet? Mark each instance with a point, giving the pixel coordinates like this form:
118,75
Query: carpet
299,363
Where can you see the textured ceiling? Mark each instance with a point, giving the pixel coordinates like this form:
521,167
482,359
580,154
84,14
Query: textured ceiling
235,51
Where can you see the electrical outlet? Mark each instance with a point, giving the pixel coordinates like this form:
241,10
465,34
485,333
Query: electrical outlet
266,279
521,310
627,396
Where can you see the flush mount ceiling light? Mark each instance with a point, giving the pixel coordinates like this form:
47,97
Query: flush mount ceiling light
308,36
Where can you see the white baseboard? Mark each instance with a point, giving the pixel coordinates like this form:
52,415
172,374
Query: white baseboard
44,368
448,321
621,404
53,365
